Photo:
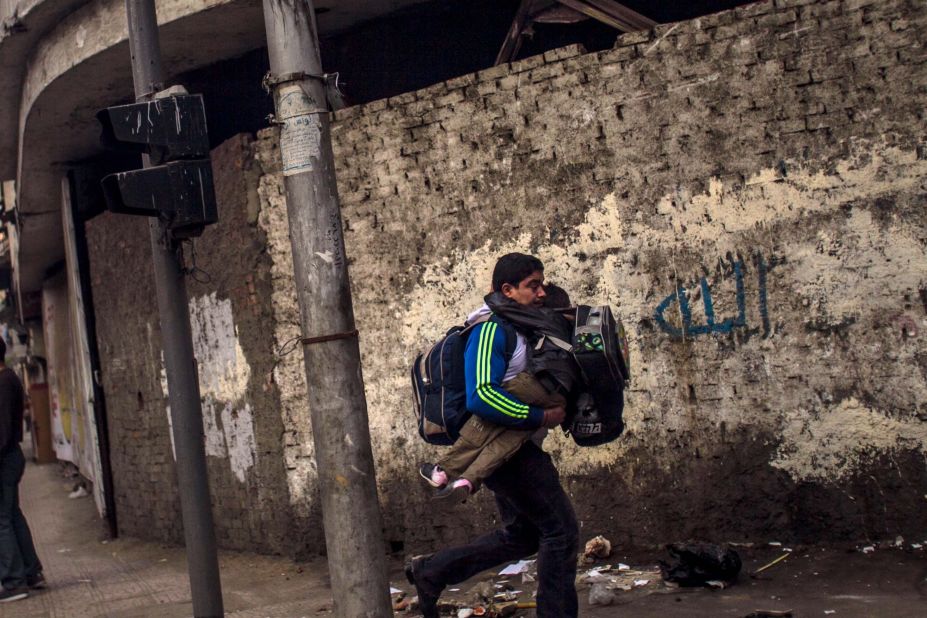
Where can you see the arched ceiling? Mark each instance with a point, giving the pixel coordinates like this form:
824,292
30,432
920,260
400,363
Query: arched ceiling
67,59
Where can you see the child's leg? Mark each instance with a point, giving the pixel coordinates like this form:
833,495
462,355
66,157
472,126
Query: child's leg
493,454
526,388
498,447
473,436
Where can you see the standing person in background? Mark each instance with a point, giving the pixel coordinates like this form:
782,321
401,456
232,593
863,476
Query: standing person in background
20,568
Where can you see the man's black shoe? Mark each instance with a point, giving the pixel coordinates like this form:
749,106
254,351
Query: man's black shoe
427,602
16,594
36,582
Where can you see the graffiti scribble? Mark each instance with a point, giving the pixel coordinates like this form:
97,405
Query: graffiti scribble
680,296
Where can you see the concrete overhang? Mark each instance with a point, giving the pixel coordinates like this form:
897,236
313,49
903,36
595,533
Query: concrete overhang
22,24
67,59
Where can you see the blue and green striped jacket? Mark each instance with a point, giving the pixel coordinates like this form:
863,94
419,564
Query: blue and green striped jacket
484,368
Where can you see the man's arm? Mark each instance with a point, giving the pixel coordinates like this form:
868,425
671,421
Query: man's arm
484,367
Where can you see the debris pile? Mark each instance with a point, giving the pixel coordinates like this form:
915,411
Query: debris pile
597,547
511,591
606,582
898,543
497,597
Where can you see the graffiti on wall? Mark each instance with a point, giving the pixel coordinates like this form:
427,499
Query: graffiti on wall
730,269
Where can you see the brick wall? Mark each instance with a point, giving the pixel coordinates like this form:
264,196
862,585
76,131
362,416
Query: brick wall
128,336
745,189
229,305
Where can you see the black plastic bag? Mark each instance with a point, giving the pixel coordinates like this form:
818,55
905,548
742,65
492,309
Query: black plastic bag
696,564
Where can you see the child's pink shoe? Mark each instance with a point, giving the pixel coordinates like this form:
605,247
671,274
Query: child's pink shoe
458,491
433,474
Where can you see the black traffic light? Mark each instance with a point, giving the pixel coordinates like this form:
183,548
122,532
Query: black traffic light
179,188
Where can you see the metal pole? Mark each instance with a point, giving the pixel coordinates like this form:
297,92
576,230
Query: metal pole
177,341
338,408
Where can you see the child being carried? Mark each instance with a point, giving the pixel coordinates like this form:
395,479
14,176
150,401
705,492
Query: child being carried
484,446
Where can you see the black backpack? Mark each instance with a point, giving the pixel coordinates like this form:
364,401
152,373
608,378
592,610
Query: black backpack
585,359
600,348
439,387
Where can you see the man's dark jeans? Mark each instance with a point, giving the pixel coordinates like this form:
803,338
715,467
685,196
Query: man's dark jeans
538,517
18,560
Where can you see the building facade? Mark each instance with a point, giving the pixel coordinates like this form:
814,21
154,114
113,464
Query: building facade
745,189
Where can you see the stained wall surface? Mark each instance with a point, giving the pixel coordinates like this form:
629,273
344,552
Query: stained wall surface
746,190
229,303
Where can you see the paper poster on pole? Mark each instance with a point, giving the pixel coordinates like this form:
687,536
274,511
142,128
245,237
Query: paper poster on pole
300,130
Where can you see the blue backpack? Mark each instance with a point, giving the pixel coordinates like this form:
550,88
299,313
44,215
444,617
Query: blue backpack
439,387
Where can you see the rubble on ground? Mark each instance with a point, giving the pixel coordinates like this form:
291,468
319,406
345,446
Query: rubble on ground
597,547
511,591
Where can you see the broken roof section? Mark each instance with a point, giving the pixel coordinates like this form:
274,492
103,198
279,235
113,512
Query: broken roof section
608,12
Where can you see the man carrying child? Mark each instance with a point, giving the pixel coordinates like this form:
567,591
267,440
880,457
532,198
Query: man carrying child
509,408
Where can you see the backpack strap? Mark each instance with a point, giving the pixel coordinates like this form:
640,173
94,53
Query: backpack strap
560,343
511,337
469,326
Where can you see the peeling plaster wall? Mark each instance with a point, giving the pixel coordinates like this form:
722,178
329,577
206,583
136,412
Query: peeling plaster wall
747,190
224,374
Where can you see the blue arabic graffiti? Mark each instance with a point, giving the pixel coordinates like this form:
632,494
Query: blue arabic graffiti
712,325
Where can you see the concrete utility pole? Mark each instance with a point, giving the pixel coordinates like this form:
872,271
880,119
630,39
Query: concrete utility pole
338,407
177,341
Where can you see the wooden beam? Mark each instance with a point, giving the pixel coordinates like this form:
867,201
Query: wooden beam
522,20
611,13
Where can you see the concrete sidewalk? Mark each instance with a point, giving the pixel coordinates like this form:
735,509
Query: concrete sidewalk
90,576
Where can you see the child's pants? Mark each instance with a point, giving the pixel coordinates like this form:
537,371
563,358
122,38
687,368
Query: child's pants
484,446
